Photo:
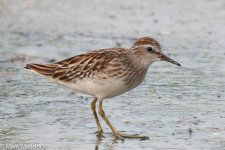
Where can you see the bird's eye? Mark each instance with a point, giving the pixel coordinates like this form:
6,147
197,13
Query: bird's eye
150,49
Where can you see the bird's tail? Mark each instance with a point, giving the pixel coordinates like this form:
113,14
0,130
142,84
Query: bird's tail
47,69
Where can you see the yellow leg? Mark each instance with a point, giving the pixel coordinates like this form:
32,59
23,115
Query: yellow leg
115,132
100,130
102,114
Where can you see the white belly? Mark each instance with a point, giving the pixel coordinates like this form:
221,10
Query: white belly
104,88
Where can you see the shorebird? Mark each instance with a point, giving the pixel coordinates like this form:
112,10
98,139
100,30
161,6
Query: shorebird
105,73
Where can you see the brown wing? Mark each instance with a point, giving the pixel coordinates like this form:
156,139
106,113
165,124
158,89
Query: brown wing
81,66
78,67
86,65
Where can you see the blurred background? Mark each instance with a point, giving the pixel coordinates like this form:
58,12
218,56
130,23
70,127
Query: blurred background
174,105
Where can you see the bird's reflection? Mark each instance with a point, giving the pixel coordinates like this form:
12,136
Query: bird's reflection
100,139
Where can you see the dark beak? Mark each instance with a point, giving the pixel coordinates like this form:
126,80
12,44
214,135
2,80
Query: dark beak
166,58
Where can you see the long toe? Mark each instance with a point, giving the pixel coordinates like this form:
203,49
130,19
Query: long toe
135,136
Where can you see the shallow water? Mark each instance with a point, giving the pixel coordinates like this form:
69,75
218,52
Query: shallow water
176,107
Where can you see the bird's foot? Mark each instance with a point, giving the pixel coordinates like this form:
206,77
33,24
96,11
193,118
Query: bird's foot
100,134
119,137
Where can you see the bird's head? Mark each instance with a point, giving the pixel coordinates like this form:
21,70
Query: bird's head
148,51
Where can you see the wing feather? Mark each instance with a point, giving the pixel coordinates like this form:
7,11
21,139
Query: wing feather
86,65
82,66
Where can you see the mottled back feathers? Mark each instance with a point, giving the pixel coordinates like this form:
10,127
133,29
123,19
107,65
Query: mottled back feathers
82,66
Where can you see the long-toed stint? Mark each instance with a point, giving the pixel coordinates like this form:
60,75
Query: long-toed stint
105,73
